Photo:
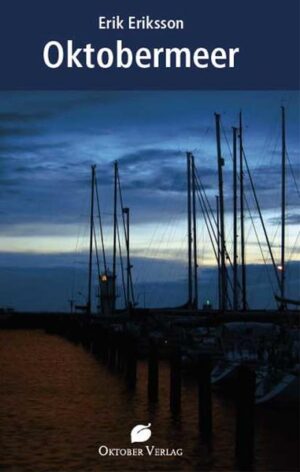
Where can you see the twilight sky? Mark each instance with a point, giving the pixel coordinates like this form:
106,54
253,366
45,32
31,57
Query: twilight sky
48,140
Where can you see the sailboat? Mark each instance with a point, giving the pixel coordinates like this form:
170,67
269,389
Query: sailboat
277,381
279,388
106,278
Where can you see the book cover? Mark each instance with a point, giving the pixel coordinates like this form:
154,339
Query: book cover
149,236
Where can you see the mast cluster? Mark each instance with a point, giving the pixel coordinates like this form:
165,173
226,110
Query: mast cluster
192,233
107,279
216,225
214,219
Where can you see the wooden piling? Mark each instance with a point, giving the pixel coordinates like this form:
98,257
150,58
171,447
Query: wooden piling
245,406
104,345
153,373
175,380
112,351
119,352
131,362
204,398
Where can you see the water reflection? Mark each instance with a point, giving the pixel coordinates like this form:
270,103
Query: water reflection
59,404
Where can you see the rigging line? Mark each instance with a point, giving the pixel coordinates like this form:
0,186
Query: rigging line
164,235
132,292
122,206
100,225
205,215
264,146
148,248
167,229
172,236
226,139
237,174
258,241
205,195
81,251
276,144
212,214
227,255
275,234
260,247
121,265
271,140
294,248
272,243
225,135
252,220
215,236
96,252
126,237
261,218
200,199
207,212
293,175
79,235
209,227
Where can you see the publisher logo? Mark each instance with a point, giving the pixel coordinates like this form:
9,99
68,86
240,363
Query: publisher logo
140,433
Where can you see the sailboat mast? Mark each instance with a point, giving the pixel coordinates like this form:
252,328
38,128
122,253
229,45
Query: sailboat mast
115,231
222,226
194,234
126,213
89,300
219,254
244,281
190,287
283,165
235,268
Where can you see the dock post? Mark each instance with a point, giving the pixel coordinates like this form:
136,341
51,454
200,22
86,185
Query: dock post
118,351
204,398
112,351
175,380
153,371
131,364
245,403
84,336
122,352
105,346
95,338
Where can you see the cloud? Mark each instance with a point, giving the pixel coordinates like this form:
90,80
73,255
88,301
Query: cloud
149,156
45,174
13,131
161,170
31,147
290,219
21,118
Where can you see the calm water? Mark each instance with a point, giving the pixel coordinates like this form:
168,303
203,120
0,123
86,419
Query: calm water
59,404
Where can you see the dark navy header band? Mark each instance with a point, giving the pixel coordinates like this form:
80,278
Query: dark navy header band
143,44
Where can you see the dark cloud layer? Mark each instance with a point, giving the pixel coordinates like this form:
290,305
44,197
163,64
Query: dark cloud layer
291,219
48,142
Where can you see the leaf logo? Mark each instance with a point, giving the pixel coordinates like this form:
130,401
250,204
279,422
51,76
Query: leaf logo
140,433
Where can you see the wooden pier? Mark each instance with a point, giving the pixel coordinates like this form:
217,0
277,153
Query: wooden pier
120,340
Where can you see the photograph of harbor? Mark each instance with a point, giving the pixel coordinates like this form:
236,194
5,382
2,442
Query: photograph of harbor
149,281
